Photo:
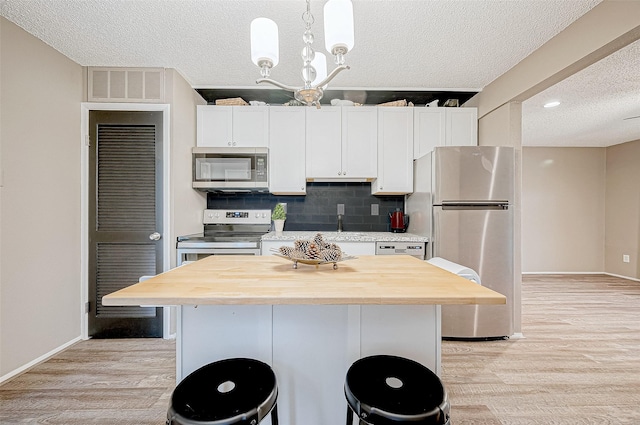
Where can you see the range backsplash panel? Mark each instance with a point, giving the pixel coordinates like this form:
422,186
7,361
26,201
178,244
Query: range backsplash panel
318,209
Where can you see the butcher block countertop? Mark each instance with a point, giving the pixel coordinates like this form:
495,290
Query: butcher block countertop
231,279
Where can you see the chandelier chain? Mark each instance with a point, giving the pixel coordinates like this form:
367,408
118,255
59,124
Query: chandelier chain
307,16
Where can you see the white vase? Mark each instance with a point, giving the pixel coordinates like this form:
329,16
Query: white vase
278,226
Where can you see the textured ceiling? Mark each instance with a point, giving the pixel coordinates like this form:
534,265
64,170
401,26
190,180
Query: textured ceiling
438,45
597,105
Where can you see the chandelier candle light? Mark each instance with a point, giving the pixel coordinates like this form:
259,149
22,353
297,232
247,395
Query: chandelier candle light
338,29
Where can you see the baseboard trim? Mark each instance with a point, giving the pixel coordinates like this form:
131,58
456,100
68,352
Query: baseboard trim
40,359
563,273
605,273
622,277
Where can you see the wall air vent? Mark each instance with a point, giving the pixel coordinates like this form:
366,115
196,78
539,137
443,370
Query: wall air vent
126,85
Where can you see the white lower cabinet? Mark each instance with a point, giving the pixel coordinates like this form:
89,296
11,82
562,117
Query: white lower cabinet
395,152
287,174
358,248
349,248
267,248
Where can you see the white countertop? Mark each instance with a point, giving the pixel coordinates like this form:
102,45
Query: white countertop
347,236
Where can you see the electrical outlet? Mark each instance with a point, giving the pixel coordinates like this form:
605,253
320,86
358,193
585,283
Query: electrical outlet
375,209
284,205
625,258
341,209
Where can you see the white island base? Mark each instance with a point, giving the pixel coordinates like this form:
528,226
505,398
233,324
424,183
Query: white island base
310,347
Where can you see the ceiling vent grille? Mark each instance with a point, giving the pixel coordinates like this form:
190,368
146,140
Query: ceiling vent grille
126,85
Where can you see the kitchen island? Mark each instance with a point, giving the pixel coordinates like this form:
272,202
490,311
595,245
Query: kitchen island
309,323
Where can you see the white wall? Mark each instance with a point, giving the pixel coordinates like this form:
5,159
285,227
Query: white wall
622,224
187,204
563,209
41,91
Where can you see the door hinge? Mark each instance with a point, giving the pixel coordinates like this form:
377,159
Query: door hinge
87,307
87,140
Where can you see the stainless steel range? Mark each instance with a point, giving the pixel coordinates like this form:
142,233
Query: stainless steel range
226,232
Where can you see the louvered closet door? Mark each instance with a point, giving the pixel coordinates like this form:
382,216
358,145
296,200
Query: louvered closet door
125,210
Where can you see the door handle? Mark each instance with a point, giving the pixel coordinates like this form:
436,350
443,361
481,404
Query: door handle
155,236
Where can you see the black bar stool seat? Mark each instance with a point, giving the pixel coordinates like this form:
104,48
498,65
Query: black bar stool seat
226,392
390,390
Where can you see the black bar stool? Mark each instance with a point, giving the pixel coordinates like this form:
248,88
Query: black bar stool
226,392
390,390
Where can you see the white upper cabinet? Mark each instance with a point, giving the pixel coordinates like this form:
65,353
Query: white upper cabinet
341,143
287,150
232,126
324,142
395,152
359,142
428,130
444,127
461,127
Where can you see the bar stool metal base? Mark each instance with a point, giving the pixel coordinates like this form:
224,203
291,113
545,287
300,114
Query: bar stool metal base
227,392
390,390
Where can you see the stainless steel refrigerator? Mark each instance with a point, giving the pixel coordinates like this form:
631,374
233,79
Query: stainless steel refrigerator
463,201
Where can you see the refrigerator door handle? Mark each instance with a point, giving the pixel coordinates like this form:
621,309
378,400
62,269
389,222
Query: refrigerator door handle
484,205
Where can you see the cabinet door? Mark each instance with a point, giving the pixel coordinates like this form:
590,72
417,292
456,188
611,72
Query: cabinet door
395,152
287,151
428,130
461,127
266,247
214,126
358,248
359,142
324,142
250,126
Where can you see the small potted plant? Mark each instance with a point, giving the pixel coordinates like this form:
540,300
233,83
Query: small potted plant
278,216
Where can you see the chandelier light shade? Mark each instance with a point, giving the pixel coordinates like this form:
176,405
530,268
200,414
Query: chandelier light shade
264,44
338,28
338,17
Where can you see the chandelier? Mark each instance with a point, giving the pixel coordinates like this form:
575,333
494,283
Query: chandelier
338,33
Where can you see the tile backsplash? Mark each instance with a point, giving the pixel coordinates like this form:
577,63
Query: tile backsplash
318,210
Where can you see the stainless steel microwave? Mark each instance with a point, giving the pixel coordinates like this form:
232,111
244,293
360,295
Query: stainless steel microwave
231,169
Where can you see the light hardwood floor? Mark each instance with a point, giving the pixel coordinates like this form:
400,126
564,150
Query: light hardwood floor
579,363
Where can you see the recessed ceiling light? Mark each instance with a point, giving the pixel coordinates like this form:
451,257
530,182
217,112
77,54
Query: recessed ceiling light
551,104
